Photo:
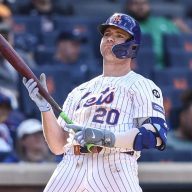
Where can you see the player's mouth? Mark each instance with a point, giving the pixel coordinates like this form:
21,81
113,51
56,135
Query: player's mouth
109,45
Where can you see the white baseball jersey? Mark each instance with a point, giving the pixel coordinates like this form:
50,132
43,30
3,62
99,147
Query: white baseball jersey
116,104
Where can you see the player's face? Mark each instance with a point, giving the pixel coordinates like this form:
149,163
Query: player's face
111,37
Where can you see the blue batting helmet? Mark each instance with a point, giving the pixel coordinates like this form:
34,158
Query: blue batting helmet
127,23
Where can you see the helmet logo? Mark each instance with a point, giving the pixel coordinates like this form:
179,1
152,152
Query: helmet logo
117,19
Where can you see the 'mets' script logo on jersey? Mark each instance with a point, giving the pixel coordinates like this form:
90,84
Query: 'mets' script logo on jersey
90,99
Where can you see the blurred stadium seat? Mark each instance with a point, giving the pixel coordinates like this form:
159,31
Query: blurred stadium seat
146,41
26,41
44,55
87,52
176,58
95,68
49,39
182,41
95,8
175,77
29,24
187,39
172,105
167,9
172,41
72,22
145,62
172,95
189,22
95,34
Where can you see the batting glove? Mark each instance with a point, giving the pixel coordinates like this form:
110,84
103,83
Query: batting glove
100,137
34,94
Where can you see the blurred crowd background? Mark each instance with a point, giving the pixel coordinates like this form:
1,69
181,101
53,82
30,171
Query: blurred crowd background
60,38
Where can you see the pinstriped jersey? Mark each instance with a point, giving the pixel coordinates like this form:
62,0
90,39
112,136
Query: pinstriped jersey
114,103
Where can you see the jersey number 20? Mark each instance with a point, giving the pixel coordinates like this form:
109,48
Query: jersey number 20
111,117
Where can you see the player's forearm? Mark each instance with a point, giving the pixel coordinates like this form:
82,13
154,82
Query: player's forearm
55,136
126,139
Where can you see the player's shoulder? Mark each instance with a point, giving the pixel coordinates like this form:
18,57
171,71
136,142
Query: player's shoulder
143,82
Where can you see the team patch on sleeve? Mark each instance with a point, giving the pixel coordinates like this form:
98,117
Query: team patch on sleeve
158,108
156,93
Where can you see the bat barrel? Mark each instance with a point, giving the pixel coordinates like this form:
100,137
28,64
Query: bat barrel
17,62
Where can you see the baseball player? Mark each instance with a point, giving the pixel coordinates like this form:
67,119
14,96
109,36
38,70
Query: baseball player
116,115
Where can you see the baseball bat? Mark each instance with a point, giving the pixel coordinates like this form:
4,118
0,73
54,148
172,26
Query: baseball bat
22,68
18,63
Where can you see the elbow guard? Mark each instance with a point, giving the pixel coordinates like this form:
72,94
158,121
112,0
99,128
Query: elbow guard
161,130
145,139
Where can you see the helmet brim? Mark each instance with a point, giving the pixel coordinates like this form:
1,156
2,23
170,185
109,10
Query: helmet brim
101,28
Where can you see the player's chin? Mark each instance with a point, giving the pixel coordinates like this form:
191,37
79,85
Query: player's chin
107,54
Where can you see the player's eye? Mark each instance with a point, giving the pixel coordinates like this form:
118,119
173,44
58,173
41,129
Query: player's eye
106,34
120,36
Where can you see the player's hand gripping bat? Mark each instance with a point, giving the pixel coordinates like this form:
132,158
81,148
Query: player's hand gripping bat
22,68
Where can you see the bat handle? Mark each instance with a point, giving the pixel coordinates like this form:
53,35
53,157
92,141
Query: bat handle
69,121
65,118
89,147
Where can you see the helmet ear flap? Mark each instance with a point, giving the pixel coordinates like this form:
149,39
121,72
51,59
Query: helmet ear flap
126,50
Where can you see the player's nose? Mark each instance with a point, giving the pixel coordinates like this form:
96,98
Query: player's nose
110,39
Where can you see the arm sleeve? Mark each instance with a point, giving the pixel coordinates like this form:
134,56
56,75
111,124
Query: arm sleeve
147,100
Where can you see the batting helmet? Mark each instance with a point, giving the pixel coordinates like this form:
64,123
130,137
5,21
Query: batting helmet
127,23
